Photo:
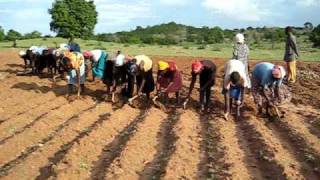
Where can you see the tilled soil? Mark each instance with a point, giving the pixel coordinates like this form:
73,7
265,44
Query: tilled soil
44,135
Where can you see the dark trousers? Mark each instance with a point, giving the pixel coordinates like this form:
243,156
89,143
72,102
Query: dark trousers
205,95
130,85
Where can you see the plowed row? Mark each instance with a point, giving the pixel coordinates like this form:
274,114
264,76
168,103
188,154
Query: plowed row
45,136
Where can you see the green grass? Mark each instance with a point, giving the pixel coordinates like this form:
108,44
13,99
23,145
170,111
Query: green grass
262,51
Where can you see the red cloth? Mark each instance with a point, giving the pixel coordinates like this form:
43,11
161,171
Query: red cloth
166,77
87,54
196,66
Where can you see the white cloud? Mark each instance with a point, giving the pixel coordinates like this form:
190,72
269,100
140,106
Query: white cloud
175,2
120,13
248,10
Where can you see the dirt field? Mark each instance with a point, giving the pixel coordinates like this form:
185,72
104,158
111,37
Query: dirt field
45,136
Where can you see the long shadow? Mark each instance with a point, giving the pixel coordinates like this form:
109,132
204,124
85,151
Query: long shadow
24,112
10,71
314,123
300,148
15,65
114,148
211,164
29,125
166,147
29,150
57,89
254,146
268,168
48,171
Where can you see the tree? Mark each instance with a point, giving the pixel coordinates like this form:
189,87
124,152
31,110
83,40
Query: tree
13,35
32,35
73,18
2,34
315,36
308,26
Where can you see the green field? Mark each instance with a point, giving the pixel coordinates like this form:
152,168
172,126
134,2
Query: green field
262,51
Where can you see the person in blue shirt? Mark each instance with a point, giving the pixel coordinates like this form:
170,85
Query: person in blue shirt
267,86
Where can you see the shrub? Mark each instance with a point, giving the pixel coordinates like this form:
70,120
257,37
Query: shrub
216,49
202,47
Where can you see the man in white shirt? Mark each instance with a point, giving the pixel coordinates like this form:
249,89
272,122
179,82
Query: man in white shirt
234,84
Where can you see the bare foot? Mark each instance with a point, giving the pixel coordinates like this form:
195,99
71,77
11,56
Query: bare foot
226,116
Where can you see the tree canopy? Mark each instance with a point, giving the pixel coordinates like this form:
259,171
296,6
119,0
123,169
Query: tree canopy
2,34
32,35
315,36
73,18
13,35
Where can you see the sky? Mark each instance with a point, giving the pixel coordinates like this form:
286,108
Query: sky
124,15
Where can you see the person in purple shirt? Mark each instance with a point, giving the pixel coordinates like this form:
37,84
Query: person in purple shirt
267,87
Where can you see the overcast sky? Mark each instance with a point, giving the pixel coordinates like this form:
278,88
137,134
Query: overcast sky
118,15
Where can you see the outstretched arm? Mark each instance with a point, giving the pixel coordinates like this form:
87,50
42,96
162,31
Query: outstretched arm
193,80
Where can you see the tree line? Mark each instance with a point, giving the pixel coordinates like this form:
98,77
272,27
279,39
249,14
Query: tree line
12,35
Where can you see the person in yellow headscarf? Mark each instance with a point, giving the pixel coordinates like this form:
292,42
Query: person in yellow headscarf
145,81
169,79
73,62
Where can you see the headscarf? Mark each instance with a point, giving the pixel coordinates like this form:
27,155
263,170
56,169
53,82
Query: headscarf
64,46
147,62
196,66
87,54
76,59
240,38
61,51
22,53
278,72
162,65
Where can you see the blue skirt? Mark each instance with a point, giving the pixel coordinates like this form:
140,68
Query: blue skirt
99,67
72,75
235,92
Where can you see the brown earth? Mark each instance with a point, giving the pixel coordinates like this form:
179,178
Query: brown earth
44,136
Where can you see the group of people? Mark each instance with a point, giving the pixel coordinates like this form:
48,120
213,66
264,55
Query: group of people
122,73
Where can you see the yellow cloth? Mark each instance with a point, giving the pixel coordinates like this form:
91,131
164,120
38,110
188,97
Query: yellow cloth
76,59
147,62
292,71
162,65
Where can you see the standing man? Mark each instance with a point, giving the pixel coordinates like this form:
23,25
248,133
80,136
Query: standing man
291,53
207,72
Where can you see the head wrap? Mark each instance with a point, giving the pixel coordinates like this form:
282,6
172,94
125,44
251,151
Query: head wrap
22,53
147,62
162,65
61,51
196,66
283,72
64,46
276,72
87,54
32,48
75,59
240,38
